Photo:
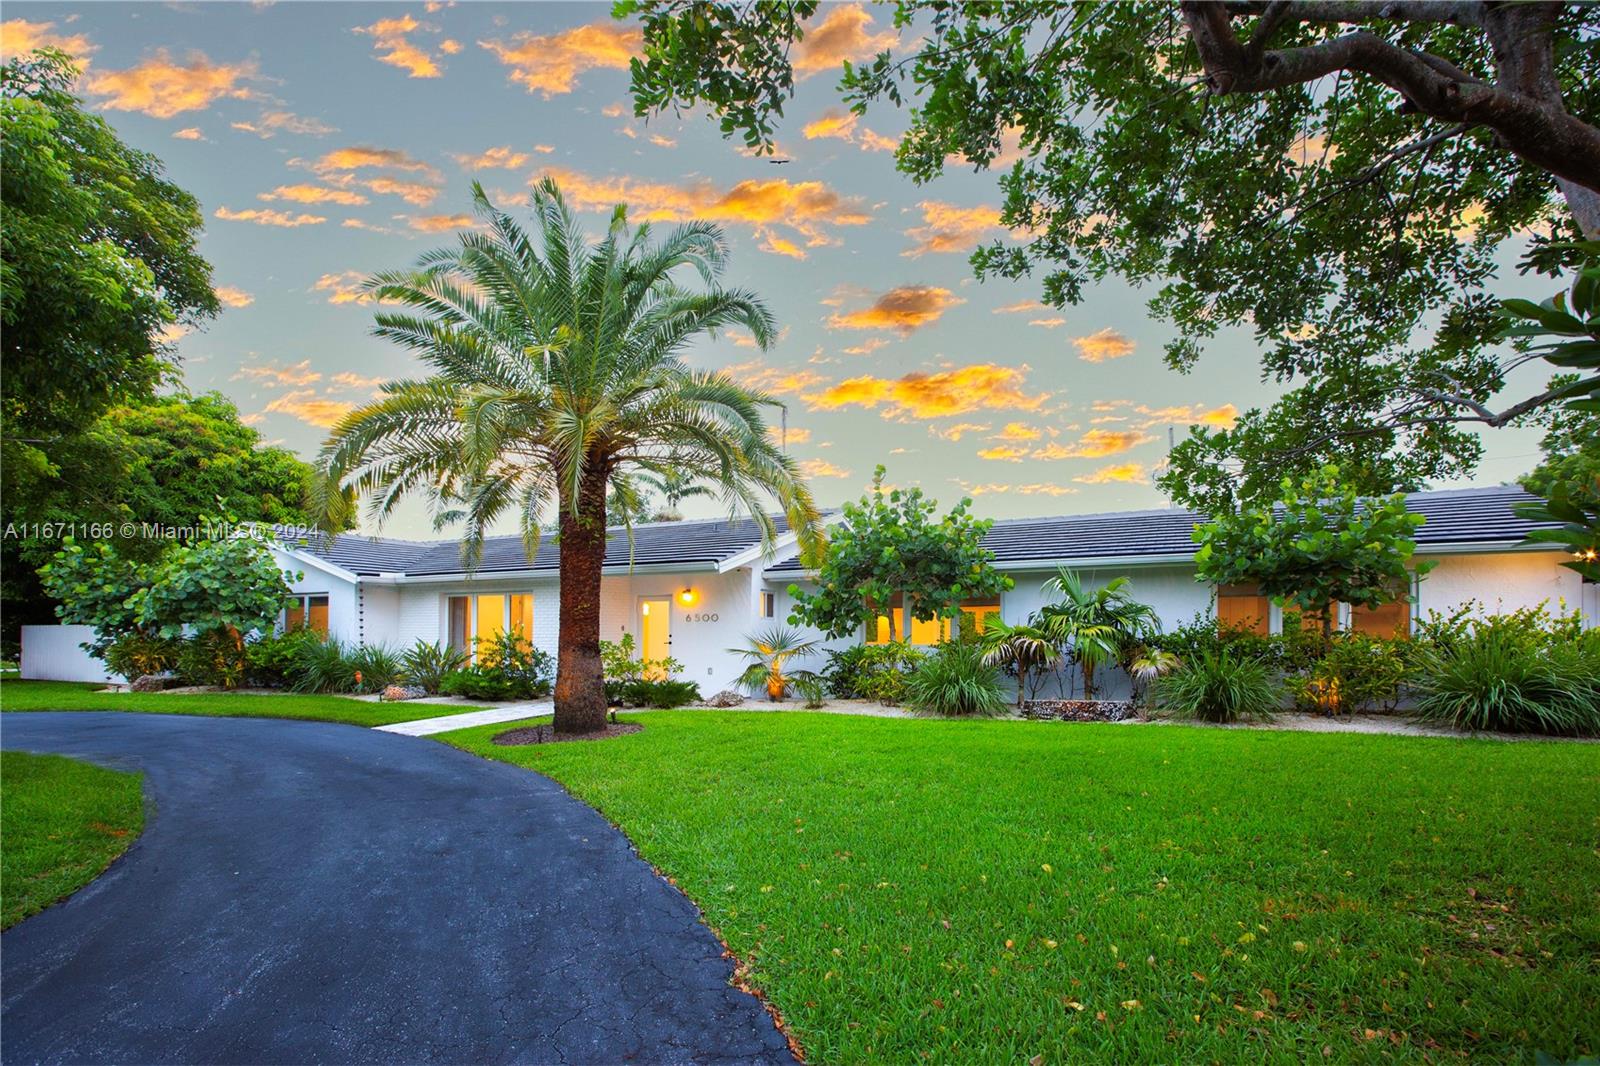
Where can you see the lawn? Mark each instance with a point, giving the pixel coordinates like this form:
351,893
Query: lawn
61,823
72,696
995,891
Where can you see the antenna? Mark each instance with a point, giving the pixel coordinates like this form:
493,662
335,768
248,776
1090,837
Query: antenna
1171,436
783,415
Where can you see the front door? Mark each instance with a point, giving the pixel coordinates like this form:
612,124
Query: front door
655,628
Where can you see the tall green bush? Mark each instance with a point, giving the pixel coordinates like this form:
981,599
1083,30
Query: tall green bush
1503,676
956,681
1220,686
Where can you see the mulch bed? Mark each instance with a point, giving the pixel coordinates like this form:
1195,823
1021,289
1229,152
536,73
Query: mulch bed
1079,710
546,734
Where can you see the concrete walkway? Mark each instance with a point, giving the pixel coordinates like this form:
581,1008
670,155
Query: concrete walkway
315,893
511,712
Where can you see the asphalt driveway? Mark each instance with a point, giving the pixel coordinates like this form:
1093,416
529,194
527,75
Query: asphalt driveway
309,892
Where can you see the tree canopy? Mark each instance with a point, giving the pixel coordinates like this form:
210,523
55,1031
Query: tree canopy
1339,179
891,544
1321,544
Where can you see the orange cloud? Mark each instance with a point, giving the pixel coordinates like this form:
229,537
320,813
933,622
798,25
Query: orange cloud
297,374
1018,431
391,39
344,287
1004,452
271,123
795,435
412,192
844,34
1037,488
948,228
19,36
907,308
867,347
1047,323
1102,345
192,133
234,297
501,158
821,468
550,64
314,194
345,379
1095,444
269,218
1020,307
1131,473
976,387
845,126
1192,414
806,207
361,156
958,430
163,88
763,378
439,223
305,405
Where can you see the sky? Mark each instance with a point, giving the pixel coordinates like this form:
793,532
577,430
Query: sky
329,141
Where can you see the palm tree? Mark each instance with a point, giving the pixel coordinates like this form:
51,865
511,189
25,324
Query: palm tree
769,654
1101,626
556,375
675,486
1024,647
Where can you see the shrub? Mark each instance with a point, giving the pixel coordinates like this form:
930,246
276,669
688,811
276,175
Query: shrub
374,667
322,666
213,658
811,689
136,654
1358,673
1495,678
426,664
509,667
271,661
478,683
956,681
882,670
1219,686
842,675
662,694
619,667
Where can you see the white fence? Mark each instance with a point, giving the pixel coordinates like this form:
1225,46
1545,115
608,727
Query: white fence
54,653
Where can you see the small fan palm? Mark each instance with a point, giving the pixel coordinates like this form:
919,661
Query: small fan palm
769,653
1026,648
557,375
1101,626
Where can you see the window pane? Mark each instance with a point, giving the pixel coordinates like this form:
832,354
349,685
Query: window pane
490,620
318,615
460,625
768,605
1390,620
294,616
975,617
930,632
879,632
522,614
1243,607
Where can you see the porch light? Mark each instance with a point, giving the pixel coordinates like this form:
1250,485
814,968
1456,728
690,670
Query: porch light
686,597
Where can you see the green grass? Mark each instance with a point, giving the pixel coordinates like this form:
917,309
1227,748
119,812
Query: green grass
992,891
62,822
71,696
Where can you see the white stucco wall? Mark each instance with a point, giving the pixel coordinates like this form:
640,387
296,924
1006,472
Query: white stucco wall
55,653
421,607
722,617
1502,582
315,580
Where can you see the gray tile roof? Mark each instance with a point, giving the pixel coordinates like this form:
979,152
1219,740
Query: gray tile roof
1457,516
656,543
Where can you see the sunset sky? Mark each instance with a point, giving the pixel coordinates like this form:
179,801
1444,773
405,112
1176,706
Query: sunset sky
328,141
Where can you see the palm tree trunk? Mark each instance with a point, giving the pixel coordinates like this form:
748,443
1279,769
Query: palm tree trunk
580,694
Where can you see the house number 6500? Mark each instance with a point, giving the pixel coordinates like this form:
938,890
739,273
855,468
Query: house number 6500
698,617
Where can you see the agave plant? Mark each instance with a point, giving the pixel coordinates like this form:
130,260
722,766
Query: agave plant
1025,647
1100,626
768,654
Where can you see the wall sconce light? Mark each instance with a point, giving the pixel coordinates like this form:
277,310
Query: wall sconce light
686,597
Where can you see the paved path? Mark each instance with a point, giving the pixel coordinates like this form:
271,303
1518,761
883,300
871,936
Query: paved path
307,892
511,712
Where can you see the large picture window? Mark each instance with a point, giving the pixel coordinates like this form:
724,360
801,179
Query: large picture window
1243,607
307,612
974,613
486,616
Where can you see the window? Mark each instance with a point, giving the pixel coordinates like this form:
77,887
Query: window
1390,620
975,614
307,612
1243,607
484,617
931,631
769,605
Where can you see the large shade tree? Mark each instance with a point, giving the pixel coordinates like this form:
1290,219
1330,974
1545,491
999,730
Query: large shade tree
557,374
1341,179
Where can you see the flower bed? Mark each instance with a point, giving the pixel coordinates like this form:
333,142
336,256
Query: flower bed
1079,710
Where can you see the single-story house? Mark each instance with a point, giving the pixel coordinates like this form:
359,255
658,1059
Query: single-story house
697,589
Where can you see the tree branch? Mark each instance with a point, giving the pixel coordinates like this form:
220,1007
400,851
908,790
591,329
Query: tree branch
1541,132
1345,12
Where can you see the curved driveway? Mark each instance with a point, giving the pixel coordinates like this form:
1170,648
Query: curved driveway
308,892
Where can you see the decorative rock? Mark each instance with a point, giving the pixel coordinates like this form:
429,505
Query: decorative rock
1080,710
725,698
402,692
149,683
